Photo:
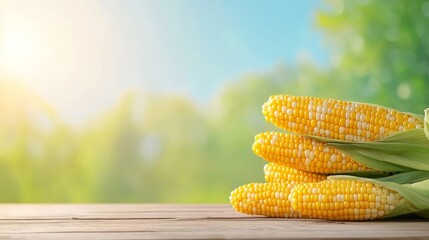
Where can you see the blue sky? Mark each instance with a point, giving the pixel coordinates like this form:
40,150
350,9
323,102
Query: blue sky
72,51
205,43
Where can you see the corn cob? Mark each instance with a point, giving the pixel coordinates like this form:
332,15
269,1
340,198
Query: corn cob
343,120
267,199
302,153
271,199
347,200
283,174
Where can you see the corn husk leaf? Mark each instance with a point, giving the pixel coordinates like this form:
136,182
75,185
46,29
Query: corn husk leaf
426,122
364,173
406,177
399,152
415,193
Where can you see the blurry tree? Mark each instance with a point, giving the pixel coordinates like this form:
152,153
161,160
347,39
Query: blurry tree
110,164
175,141
35,148
380,49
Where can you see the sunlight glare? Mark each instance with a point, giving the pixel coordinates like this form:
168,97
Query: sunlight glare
21,47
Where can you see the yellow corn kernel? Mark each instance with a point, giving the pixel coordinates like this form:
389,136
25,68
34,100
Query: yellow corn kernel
344,120
303,153
280,173
267,199
352,201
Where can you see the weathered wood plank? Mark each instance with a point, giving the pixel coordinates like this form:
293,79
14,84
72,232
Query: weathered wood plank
181,221
65,211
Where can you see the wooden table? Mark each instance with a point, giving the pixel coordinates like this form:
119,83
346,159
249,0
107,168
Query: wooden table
183,221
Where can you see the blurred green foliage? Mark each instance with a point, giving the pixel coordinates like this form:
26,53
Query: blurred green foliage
379,48
169,148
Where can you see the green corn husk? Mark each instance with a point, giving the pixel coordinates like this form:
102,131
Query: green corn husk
412,186
399,152
426,122
406,177
403,151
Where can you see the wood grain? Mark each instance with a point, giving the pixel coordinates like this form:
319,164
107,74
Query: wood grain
184,221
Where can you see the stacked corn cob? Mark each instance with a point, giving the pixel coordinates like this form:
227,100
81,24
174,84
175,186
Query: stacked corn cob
325,138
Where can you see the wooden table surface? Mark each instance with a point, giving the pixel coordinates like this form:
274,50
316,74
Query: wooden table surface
184,221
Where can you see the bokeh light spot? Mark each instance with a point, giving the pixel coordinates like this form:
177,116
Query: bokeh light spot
425,8
403,91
